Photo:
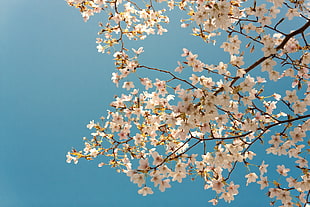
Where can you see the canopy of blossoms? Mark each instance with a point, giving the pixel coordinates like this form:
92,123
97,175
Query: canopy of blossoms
207,124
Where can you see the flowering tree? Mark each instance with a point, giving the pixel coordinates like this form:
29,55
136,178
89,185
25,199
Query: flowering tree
211,123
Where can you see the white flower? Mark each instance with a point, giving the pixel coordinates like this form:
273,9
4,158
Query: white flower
306,58
268,48
251,177
100,48
291,96
263,182
70,158
236,60
178,176
300,107
164,184
144,164
139,51
263,168
91,124
157,158
145,191
138,179
128,85
282,170
292,13
268,65
93,152
297,135
217,186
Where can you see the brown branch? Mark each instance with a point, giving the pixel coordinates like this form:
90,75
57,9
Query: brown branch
224,138
172,153
289,36
285,40
288,120
167,72
272,125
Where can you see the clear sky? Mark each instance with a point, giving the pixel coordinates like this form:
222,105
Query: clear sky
52,83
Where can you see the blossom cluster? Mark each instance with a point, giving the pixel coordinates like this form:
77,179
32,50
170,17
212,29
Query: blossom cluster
210,123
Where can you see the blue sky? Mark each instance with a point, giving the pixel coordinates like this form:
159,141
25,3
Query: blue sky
52,82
